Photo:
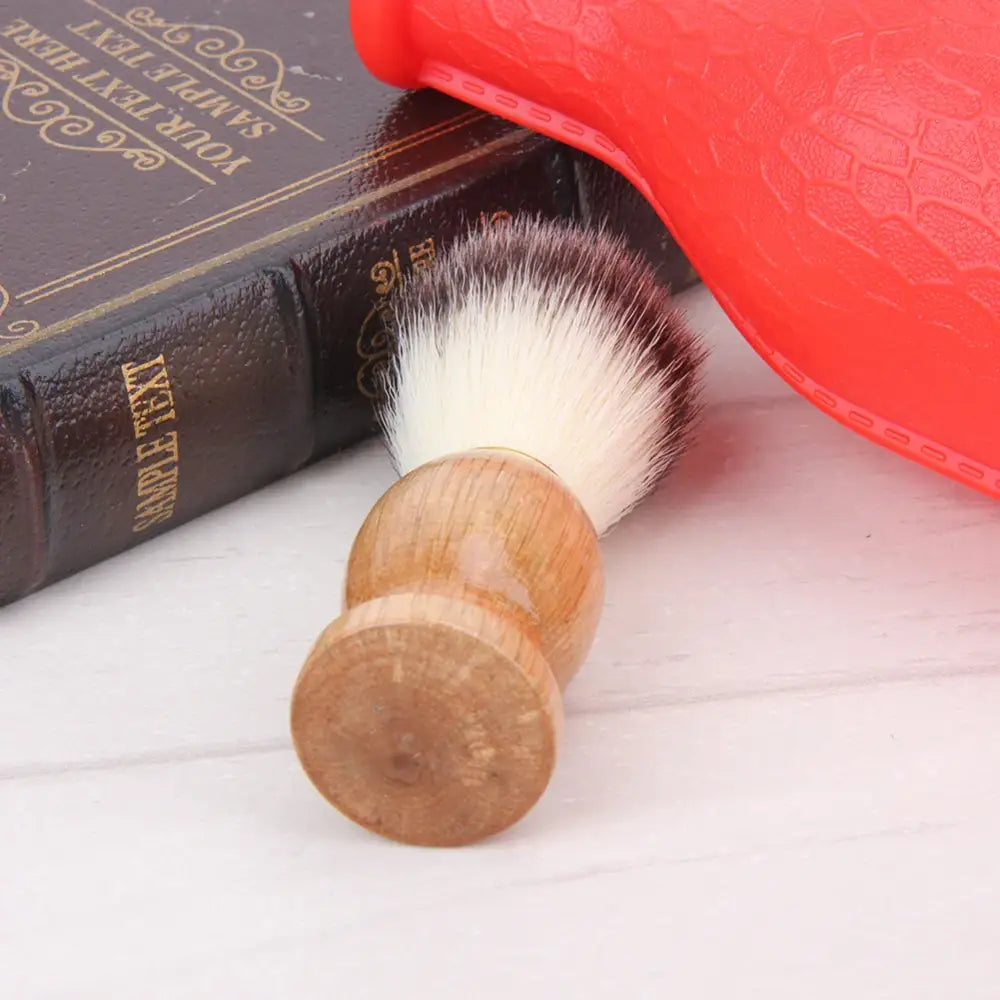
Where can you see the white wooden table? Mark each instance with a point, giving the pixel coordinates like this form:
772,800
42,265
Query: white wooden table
780,777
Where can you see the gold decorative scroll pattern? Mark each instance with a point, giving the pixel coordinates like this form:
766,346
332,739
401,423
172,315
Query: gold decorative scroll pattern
375,338
377,335
20,327
260,70
26,100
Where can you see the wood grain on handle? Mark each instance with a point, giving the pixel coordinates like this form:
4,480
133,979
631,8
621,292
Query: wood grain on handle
430,711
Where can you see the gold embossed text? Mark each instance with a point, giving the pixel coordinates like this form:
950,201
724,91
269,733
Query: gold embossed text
157,453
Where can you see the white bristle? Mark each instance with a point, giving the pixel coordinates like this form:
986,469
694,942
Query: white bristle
547,339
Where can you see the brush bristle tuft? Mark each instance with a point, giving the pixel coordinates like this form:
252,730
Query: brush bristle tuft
550,339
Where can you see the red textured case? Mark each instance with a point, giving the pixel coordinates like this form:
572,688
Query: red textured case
829,168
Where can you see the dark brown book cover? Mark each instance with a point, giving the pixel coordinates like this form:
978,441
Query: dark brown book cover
203,208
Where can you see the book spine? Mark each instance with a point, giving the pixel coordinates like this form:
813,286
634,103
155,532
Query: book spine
144,428
139,430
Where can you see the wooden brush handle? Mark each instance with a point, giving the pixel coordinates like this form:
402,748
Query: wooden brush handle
431,710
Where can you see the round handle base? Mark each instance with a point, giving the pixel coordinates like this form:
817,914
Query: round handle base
427,719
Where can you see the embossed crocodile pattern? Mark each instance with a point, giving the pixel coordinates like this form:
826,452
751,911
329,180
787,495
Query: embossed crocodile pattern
830,168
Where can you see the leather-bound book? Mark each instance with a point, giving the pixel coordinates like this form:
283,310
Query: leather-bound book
204,209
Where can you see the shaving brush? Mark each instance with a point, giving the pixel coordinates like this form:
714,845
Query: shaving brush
541,384
830,170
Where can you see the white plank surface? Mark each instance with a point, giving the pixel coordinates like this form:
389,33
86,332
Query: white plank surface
780,778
